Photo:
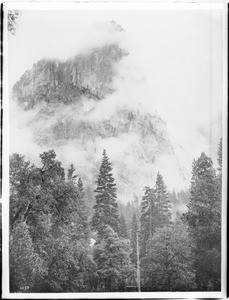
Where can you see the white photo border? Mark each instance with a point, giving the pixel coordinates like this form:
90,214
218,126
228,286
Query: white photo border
90,6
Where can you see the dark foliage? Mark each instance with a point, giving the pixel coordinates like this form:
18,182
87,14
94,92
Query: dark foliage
106,207
204,224
51,247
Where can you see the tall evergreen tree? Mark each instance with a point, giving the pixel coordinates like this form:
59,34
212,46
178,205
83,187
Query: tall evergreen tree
133,240
155,211
82,210
106,207
203,219
145,220
123,232
163,205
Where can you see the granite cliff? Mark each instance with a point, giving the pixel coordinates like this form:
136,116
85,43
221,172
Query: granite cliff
65,97
52,81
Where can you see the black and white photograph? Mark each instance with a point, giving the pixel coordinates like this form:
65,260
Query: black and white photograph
114,150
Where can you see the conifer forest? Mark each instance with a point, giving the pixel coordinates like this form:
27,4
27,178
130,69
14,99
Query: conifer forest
57,246
115,152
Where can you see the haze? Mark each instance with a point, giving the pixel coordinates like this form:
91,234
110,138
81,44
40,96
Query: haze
174,65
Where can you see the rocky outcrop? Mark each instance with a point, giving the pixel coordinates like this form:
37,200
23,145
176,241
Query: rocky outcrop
65,97
149,129
53,81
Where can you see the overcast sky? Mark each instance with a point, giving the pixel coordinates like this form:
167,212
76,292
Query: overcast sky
174,65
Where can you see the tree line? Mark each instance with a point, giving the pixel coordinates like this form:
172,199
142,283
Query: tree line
55,246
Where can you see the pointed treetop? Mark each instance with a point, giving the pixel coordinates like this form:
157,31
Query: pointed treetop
202,165
160,185
80,187
105,157
80,183
159,178
70,173
159,175
203,161
106,164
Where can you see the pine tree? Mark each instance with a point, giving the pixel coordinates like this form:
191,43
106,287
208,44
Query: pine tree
133,240
79,210
155,211
106,207
203,220
82,210
147,220
202,192
123,233
163,205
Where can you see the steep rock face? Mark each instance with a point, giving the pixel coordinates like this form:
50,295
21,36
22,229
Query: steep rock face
65,98
67,82
55,128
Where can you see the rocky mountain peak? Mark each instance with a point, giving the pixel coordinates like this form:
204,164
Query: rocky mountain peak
89,74
66,98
